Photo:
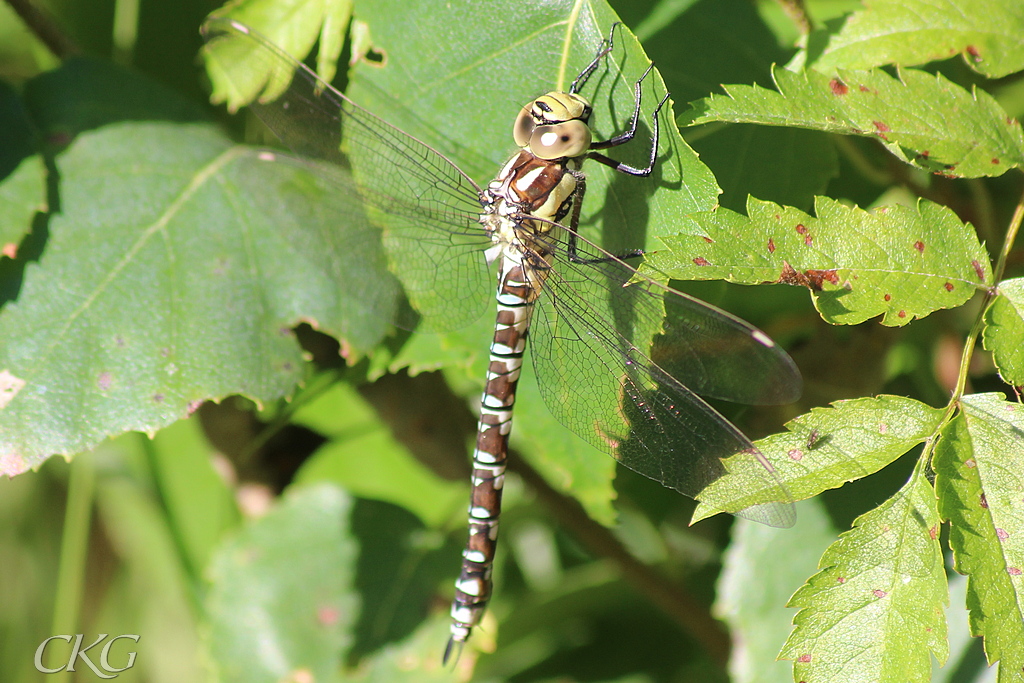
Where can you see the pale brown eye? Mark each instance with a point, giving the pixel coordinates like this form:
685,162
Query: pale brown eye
566,139
523,128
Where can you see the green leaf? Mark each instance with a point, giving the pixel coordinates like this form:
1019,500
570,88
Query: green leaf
824,449
392,474
909,32
22,194
281,599
923,119
209,255
979,464
762,568
899,262
876,609
1005,329
199,505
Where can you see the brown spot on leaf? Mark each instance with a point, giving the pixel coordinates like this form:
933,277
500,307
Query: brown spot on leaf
933,532
971,464
919,246
983,501
701,261
888,297
978,269
1013,571
801,229
995,161
812,279
840,579
838,87
795,454
973,52
879,593
948,286
707,239
865,88
803,659
771,246
902,314
10,250
881,129
1001,534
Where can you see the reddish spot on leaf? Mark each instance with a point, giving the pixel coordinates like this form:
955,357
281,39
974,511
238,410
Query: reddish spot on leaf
973,52
192,407
328,616
978,269
701,261
881,129
924,154
105,380
971,464
1001,534
983,502
796,454
933,532
883,428
919,245
864,88
879,593
10,250
707,239
771,246
778,217
801,229
841,579
902,314
1013,571
838,87
888,297
995,161
803,659
948,286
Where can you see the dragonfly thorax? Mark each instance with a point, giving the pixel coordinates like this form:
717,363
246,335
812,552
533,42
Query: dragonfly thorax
554,126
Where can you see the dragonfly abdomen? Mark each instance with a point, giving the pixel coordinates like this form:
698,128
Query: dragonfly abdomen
516,296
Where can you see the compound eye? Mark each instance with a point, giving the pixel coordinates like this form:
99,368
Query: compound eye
566,139
523,128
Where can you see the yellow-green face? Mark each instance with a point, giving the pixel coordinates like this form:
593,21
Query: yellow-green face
554,126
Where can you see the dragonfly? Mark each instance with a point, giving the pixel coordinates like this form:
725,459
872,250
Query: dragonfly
620,359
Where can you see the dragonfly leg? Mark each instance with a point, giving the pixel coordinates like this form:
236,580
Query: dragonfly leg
574,221
629,135
603,49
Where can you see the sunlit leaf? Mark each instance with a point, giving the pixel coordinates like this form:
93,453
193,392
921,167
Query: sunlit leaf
875,611
1005,330
826,448
980,478
909,32
898,262
923,119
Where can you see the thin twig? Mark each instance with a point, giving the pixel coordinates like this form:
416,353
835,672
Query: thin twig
667,595
44,27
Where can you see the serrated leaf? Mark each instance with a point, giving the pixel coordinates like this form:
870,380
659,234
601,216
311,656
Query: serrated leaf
762,567
294,26
281,600
826,448
898,262
876,609
909,32
923,119
1005,328
208,256
979,464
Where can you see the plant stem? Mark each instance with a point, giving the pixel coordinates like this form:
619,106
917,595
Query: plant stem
74,545
44,27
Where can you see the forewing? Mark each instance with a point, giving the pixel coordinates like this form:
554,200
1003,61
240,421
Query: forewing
389,185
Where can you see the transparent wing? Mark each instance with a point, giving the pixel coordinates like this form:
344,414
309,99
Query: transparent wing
620,364
387,185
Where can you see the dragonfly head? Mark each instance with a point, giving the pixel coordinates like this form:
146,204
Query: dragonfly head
554,126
